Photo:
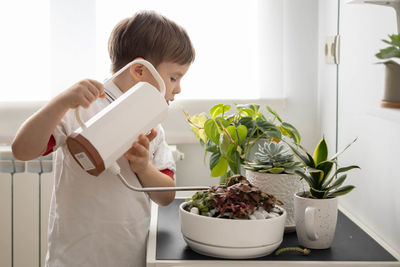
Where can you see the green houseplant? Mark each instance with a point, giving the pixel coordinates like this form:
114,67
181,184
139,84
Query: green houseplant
228,137
392,51
315,211
318,171
390,56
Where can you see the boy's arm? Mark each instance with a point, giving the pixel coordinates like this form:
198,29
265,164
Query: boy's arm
33,136
152,177
149,176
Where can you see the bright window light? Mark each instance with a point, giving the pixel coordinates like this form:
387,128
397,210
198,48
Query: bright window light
224,34
49,45
24,51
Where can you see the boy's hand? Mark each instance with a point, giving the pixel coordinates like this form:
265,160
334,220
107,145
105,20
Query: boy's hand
83,93
138,154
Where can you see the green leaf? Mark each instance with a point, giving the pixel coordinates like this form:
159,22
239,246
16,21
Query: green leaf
345,169
234,162
224,144
211,147
274,113
326,167
318,177
320,152
307,161
214,159
320,194
224,178
276,170
268,129
222,121
249,123
216,110
211,130
220,167
305,176
238,134
289,164
388,52
338,182
284,131
341,191
344,149
252,108
219,109
395,39
242,133
232,133
293,133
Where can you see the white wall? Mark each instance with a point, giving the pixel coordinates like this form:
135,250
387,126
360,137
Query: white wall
299,80
375,201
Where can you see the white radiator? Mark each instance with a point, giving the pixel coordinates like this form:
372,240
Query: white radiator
25,193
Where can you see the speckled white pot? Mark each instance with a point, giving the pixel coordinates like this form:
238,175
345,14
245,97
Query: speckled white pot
315,221
283,187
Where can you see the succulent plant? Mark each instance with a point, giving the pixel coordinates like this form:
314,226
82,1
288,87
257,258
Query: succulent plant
273,157
238,199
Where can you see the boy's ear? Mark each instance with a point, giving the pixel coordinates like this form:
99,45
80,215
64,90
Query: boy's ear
137,71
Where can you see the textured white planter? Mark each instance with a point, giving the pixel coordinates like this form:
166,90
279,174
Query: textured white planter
315,221
283,187
229,238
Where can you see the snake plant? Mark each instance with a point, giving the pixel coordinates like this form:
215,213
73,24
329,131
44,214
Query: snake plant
319,171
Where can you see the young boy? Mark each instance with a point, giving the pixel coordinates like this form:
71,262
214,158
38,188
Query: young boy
97,221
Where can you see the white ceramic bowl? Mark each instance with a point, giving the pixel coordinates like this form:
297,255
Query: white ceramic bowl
228,238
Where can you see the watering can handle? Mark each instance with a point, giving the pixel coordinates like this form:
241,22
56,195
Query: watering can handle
148,65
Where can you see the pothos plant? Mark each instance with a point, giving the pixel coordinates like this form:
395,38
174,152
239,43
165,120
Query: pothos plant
229,136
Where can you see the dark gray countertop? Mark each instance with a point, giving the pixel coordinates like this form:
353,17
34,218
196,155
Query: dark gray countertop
351,243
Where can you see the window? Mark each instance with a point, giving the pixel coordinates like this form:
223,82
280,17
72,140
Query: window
24,51
49,45
224,34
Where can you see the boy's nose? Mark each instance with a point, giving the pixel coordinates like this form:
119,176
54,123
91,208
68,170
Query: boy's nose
177,89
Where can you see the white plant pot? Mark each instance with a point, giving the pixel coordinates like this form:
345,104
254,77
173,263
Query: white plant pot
231,238
391,94
283,187
315,221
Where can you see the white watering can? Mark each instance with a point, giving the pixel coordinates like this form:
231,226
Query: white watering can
98,144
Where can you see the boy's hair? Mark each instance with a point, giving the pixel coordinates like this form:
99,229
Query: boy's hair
151,36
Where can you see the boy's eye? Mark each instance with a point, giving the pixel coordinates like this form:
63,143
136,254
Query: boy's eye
173,79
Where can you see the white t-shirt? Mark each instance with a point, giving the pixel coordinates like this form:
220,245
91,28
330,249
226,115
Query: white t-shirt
97,221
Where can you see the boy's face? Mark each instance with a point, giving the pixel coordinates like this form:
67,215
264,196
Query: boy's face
172,74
